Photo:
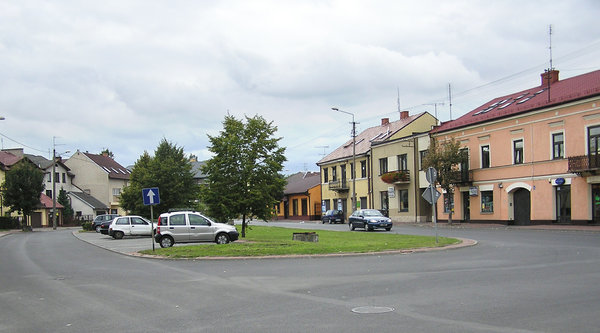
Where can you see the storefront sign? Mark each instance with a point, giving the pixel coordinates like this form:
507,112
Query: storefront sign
473,191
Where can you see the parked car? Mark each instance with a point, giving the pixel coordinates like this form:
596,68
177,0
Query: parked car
369,219
104,226
130,226
102,218
333,216
190,226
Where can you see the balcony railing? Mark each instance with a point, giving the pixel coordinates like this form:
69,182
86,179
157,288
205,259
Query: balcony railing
584,163
338,185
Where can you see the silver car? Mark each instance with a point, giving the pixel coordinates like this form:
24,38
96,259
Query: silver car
189,226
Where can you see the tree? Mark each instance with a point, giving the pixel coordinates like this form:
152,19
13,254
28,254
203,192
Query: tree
170,171
23,186
107,152
63,199
244,176
446,158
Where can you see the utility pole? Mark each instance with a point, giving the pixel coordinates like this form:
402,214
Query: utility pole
54,183
353,172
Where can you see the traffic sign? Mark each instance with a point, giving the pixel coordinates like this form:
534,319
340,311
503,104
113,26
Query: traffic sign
151,196
431,175
427,195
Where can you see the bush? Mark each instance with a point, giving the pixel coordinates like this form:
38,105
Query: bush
87,226
7,222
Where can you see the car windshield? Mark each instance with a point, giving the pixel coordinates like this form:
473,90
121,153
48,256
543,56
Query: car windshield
372,212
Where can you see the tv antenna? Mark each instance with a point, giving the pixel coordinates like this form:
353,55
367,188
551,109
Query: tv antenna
550,44
324,147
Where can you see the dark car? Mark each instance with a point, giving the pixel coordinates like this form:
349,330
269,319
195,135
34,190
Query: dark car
369,219
105,225
333,216
102,218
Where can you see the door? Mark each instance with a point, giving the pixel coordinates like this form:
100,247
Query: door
140,227
122,223
563,204
596,203
178,227
466,206
200,228
522,203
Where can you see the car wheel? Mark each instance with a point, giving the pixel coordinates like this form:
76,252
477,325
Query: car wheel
323,221
329,221
222,238
367,228
166,241
98,228
118,234
388,229
351,226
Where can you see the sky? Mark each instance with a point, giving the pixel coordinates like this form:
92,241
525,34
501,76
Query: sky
123,75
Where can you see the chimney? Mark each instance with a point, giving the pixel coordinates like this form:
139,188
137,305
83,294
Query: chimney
549,77
385,121
403,115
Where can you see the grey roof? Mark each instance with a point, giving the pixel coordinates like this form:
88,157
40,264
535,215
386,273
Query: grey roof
301,182
90,200
197,169
44,163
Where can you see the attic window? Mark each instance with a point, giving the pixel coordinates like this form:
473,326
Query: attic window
520,96
359,141
539,92
106,169
505,105
524,100
376,137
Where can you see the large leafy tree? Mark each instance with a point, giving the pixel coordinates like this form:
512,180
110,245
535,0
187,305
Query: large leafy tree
63,199
244,175
169,170
23,185
446,157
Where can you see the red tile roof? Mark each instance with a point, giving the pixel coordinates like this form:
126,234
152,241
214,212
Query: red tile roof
7,159
114,169
370,135
46,202
568,90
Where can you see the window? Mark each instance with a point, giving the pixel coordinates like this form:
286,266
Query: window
363,169
487,201
325,176
116,191
422,155
594,146
178,219
485,156
403,200
343,173
363,202
558,146
198,220
295,207
448,203
304,207
352,171
138,221
518,151
64,177
383,166
122,221
49,193
57,177
49,177
327,204
333,173
402,162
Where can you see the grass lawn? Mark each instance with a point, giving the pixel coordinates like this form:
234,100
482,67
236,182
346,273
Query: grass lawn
266,241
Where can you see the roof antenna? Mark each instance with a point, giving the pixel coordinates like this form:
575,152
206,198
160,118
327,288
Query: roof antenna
399,110
549,71
450,99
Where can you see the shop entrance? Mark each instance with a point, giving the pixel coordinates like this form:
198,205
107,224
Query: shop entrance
522,202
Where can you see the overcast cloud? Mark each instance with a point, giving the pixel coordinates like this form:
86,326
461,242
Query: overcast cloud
124,74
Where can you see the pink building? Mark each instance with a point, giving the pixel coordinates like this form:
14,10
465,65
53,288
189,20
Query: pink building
533,155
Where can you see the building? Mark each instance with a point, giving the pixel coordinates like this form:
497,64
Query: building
301,197
337,169
533,155
101,177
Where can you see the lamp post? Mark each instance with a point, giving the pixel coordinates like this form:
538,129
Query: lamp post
353,157
54,182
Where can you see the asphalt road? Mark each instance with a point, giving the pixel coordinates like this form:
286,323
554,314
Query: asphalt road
512,281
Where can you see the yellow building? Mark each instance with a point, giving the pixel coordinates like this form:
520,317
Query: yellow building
302,197
340,180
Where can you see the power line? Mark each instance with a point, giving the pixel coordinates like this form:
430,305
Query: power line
22,144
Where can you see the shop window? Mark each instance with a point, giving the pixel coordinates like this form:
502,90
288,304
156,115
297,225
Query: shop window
487,201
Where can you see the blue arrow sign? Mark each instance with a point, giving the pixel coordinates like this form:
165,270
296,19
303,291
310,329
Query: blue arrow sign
151,196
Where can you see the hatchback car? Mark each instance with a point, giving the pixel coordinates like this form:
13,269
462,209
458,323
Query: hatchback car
333,216
189,226
369,219
102,218
130,226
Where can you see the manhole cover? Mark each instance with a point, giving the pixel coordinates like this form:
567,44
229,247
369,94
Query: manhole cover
372,309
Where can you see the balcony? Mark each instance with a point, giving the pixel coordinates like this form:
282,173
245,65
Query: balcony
463,177
585,164
340,185
396,177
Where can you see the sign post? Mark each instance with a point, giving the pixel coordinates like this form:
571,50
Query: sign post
151,197
432,195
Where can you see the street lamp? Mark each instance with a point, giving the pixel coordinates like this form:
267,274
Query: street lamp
353,157
54,182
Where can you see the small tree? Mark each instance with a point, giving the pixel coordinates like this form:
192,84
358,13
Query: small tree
107,152
244,175
23,186
63,199
446,158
